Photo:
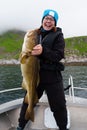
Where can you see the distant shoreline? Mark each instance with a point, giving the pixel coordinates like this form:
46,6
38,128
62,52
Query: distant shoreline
9,62
76,64
67,62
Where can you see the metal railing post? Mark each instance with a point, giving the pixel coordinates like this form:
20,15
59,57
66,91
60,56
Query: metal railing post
71,90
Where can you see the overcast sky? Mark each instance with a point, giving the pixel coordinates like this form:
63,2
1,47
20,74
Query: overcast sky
27,14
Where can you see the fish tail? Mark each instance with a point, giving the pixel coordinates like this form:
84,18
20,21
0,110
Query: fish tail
29,115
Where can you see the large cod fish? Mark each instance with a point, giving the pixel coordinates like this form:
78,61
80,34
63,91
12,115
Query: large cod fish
30,73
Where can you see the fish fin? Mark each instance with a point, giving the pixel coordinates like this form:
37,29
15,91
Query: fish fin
36,100
29,115
23,58
23,85
26,99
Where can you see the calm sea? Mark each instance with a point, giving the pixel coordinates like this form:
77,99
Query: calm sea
10,77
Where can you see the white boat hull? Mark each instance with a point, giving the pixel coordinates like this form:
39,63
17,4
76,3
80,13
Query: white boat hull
77,116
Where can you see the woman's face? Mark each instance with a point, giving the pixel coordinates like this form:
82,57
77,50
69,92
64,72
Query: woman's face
48,23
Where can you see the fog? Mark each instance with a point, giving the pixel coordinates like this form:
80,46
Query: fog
26,15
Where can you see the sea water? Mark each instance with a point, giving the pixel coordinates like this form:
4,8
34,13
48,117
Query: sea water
10,77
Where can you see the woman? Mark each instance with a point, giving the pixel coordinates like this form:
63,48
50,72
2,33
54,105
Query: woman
50,51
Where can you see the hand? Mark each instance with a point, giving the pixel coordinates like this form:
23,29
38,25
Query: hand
37,50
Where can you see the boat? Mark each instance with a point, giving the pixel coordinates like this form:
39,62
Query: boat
44,120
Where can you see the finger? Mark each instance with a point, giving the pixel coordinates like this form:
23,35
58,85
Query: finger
37,46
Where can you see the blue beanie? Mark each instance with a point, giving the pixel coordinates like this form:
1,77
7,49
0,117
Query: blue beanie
51,12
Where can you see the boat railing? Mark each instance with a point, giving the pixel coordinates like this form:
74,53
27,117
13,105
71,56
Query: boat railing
9,90
70,83
72,88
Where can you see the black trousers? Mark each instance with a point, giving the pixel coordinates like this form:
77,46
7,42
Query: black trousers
57,102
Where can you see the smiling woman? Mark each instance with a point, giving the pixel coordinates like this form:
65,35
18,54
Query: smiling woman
49,19
48,47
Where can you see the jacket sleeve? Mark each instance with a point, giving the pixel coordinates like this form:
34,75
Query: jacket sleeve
57,52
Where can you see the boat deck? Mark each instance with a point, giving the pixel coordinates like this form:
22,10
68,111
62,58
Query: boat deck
78,117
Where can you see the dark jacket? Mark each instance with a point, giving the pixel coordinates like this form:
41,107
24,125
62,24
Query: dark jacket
53,51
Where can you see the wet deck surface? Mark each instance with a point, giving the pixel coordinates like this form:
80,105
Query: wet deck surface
78,118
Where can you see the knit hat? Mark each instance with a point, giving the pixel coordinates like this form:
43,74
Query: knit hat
51,12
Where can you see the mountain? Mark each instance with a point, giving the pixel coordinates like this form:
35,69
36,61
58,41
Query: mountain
11,43
76,46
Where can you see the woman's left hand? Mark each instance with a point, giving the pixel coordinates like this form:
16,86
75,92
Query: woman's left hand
37,50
